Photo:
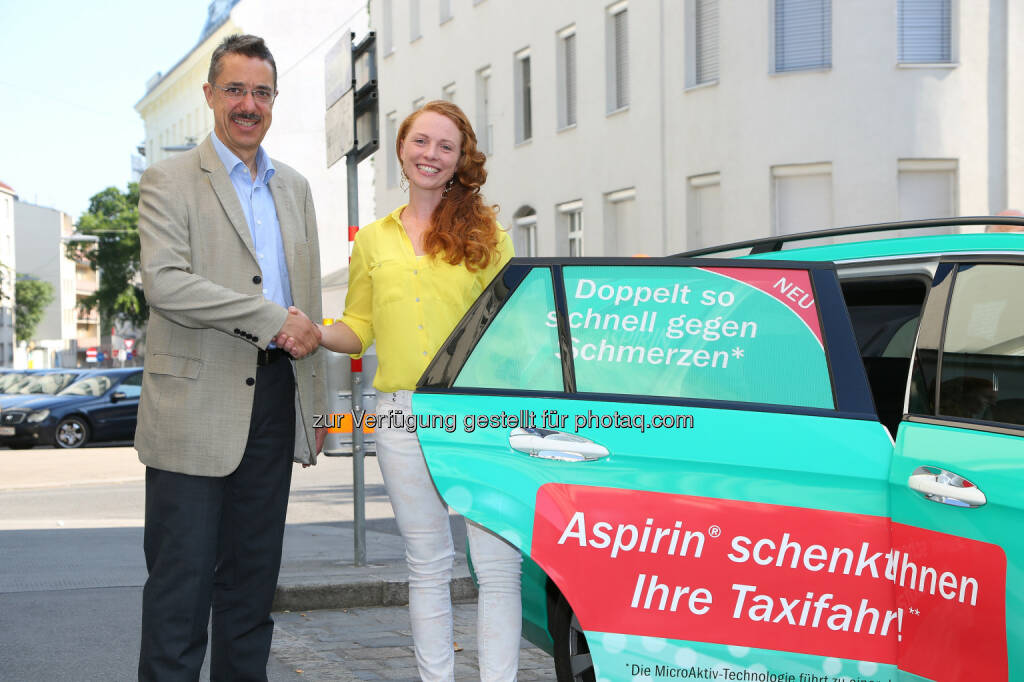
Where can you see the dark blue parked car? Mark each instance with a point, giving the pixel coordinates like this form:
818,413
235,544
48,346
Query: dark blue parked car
101,405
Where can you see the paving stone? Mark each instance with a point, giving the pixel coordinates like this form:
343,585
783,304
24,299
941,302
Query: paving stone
374,643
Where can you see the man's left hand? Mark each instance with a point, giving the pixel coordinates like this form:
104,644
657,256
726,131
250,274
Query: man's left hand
321,435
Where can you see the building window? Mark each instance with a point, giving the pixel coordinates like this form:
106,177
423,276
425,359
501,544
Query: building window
927,189
387,45
622,234
448,93
390,144
925,32
414,20
567,77
702,43
524,238
803,197
523,97
803,35
446,10
617,42
571,218
704,211
484,129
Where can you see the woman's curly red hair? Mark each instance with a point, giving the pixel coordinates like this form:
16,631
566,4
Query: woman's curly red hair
463,229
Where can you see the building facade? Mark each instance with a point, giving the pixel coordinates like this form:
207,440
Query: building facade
8,261
658,126
65,331
177,117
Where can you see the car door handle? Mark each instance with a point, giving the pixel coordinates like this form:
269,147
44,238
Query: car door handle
556,445
945,487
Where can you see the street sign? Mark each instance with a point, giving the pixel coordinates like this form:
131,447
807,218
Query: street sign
129,344
338,69
90,355
340,128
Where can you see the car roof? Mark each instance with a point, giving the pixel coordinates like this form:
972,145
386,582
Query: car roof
990,243
857,242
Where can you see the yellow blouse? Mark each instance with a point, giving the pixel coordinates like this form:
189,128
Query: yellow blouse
408,303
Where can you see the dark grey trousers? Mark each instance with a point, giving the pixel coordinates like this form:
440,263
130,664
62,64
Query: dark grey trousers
215,543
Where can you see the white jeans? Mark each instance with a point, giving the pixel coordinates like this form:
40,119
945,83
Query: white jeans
422,518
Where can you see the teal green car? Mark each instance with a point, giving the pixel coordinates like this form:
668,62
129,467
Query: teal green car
794,465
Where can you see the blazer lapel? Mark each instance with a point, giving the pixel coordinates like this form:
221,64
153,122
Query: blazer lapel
225,191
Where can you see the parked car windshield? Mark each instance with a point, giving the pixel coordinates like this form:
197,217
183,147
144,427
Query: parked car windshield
9,380
92,386
48,384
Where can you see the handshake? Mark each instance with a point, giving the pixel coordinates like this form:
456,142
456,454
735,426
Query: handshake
299,336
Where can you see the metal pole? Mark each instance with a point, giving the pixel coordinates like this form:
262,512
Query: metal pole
358,480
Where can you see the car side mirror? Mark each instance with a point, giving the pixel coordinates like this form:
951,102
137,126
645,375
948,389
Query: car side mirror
117,396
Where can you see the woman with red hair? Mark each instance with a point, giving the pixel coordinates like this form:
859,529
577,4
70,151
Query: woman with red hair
413,275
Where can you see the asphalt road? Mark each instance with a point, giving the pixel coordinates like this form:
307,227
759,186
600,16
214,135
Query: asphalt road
71,563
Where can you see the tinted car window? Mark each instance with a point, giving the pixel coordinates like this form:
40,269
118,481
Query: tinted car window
131,386
518,350
46,383
733,334
982,370
92,386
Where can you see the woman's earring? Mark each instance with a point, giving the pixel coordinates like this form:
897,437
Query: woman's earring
448,185
404,182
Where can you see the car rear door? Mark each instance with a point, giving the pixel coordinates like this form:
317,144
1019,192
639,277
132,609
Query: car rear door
957,477
688,449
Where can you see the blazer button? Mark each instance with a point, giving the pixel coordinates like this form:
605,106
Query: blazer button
237,330
255,339
250,381
256,279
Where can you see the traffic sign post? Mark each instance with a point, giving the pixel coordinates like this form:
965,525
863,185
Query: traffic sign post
351,120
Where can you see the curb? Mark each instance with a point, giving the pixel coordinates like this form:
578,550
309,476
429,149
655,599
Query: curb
365,593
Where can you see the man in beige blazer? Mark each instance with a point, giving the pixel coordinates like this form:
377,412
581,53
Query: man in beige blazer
229,245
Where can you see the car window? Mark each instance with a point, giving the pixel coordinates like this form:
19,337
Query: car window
91,386
131,386
519,350
10,379
721,333
48,384
982,368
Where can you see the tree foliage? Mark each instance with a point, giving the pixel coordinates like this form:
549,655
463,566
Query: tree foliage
31,296
113,217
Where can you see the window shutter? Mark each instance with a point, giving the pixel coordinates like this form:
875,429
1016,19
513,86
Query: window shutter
803,34
570,79
621,59
707,40
925,31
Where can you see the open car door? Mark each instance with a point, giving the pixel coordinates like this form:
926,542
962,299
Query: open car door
689,451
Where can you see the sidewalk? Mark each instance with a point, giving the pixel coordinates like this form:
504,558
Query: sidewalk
317,569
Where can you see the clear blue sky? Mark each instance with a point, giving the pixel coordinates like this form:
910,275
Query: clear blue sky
71,75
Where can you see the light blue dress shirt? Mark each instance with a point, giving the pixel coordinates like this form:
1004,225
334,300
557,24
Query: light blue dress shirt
261,216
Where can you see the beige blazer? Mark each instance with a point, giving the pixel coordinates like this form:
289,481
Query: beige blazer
208,316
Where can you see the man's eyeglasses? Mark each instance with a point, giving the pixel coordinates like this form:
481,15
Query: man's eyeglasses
236,92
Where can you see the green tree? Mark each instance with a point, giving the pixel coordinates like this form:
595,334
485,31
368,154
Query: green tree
31,296
113,217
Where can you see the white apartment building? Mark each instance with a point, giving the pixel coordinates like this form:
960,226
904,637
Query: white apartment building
65,331
656,126
177,117
7,274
